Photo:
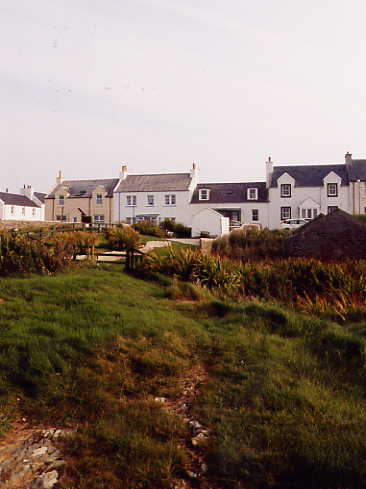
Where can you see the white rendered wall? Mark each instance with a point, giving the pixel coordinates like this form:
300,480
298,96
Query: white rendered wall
299,194
244,207
209,221
18,215
180,211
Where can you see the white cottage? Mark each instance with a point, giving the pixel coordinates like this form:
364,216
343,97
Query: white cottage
242,203
305,191
27,206
154,197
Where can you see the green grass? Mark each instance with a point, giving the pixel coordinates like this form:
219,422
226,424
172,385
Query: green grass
92,347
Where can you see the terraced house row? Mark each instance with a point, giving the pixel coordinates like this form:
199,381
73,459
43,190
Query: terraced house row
292,191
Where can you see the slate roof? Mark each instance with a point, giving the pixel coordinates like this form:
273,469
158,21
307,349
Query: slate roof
309,175
84,188
357,171
226,193
159,182
40,196
16,199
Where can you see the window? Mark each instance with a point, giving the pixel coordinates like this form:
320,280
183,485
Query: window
99,218
170,199
309,213
75,219
33,211
252,194
332,189
285,190
23,211
12,209
150,200
131,200
204,194
332,208
61,218
285,213
255,215
61,200
99,199
129,220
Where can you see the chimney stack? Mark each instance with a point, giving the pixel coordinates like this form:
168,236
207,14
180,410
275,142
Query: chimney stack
348,159
269,171
123,172
59,178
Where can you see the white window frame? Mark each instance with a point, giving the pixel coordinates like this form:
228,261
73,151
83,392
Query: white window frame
286,190
61,200
255,215
33,211
23,211
150,200
12,210
99,199
329,187
283,210
204,194
170,199
253,190
99,218
131,200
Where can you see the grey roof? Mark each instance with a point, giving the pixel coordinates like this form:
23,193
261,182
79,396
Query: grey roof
40,196
84,188
309,175
159,182
357,171
226,193
17,199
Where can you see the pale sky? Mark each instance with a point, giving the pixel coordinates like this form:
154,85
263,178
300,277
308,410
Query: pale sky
86,85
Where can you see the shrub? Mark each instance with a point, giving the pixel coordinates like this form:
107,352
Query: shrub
149,229
178,229
123,238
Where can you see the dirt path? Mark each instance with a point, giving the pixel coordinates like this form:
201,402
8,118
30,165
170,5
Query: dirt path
199,435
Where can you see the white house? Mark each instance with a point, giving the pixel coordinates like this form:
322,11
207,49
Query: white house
154,197
245,203
20,207
305,191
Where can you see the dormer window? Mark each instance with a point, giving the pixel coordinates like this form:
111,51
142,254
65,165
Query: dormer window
99,199
252,193
204,194
332,190
285,190
61,200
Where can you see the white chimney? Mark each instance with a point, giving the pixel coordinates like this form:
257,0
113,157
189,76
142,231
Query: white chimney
194,174
123,172
348,159
28,191
59,178
269,171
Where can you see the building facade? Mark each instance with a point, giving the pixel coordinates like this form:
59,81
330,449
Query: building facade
154,197
87,201
26,206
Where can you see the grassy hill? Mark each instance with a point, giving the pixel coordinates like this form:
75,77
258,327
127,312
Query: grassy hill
282,395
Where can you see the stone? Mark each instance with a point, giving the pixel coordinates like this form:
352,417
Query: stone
199,440
38,452
160,399
45,481
196,425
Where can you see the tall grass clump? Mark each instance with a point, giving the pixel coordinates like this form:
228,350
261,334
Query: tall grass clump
251,244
